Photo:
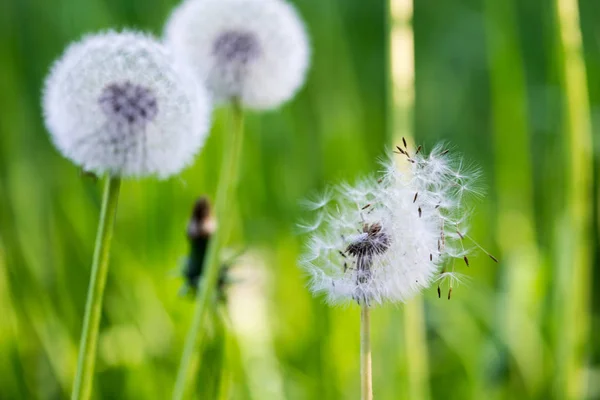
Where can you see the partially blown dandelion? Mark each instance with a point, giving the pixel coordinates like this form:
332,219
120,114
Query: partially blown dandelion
253,50
117,103
389,237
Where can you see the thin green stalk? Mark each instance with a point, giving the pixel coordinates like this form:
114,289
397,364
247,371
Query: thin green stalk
574,270
223,202
366,374
226,384
522,298
416,350
402,96
82,386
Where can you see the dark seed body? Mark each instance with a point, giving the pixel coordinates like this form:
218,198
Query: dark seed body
236,47
128,103
364,249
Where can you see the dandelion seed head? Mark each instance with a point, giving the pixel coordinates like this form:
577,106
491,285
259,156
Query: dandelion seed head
387,237
119,103
255,50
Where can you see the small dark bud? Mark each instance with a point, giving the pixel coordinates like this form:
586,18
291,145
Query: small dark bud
200,223
199,230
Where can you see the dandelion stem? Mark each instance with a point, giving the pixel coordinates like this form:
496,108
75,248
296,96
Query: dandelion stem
82,386
223,202
366,375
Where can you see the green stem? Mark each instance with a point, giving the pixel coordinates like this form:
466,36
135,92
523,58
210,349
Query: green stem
82,387
401,111
224,392
574,270
521,300
223,202
416,350
366,375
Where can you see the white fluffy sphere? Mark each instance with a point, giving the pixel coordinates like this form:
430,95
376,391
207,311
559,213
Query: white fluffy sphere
118,103
387,238
256,50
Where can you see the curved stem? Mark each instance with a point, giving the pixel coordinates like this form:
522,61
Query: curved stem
82,386
366,375
223,202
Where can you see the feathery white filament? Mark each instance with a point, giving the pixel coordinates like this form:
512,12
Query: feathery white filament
387,238
118,103
256,50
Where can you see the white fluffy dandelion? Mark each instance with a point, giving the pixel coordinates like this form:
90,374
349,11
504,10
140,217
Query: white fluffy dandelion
387,238
118,103
254,50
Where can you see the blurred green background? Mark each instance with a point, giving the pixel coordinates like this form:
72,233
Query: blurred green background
492,77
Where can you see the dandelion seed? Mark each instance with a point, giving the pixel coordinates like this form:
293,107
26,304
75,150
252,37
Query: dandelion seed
118,103
254,50
317,202
386,254
482,249
452,280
